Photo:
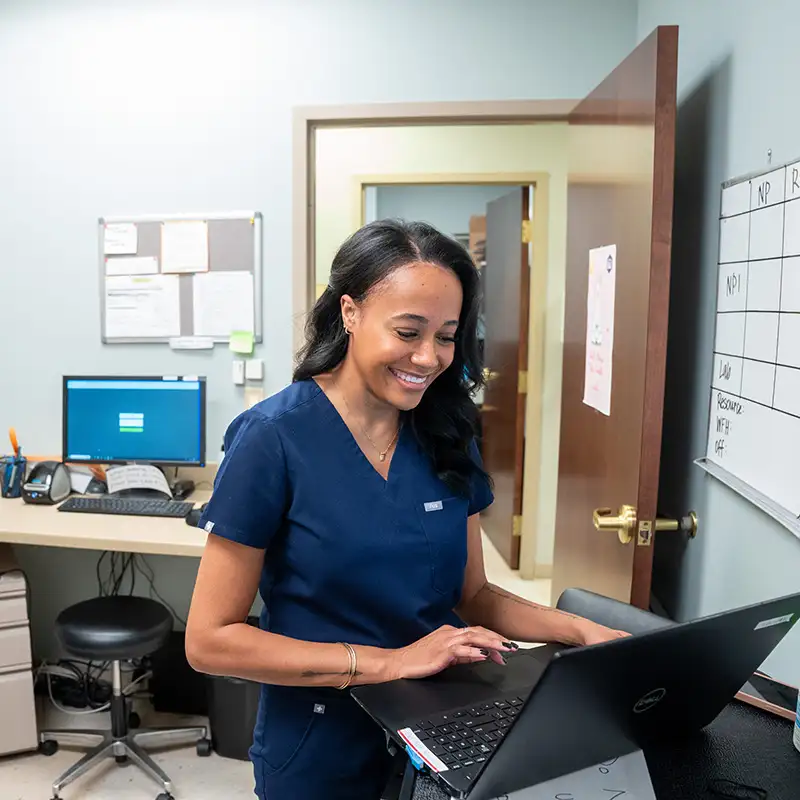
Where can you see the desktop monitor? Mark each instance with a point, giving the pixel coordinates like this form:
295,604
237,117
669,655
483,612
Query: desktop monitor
144,420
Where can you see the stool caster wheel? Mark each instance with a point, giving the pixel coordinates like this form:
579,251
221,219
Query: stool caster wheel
165,796
134,720
122,760
203,747
49,747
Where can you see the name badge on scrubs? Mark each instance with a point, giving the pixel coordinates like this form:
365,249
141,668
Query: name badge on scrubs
436,505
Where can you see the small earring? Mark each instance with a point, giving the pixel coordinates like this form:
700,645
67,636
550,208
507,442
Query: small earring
347,331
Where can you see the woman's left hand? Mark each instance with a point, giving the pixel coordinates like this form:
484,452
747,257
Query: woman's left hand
592,633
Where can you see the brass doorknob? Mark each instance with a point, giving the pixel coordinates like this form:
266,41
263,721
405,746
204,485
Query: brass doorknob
490,374
624,522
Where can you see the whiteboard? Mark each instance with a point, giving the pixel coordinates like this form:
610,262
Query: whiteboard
754,424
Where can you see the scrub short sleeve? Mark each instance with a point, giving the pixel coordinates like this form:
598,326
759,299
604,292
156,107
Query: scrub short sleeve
481,496
250,494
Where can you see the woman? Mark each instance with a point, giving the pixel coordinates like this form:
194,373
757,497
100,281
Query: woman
352,500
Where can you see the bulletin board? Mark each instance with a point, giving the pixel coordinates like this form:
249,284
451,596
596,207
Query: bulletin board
182,278
754,432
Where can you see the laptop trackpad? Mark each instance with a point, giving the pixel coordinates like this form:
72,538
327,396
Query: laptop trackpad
401,702
473,683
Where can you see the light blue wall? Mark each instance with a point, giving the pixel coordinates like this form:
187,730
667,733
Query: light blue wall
737,99
447,208
185,105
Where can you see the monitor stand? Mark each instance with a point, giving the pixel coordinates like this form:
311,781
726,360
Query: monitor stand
144,481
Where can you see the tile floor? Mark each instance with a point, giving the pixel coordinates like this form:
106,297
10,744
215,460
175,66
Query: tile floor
29,776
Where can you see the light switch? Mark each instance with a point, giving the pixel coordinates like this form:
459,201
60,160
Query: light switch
238,372
254,369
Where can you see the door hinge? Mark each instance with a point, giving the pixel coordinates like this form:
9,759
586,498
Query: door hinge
527,236
522,382
516,525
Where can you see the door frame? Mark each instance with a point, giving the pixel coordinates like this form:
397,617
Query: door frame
308,119
306,122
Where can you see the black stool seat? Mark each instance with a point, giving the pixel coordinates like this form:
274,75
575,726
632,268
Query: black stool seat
113,628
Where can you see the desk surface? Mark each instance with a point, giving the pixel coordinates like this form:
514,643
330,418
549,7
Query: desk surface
21,523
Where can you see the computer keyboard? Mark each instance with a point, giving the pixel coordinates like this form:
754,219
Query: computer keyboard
467,737
129,506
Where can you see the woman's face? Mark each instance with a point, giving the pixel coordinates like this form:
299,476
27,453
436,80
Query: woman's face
402,334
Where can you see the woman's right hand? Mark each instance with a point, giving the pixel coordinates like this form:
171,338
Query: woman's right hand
445,647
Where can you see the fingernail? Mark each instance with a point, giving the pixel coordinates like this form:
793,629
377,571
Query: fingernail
485,652
502,659
511,645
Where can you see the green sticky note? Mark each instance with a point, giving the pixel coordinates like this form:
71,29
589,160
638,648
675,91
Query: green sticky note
241,342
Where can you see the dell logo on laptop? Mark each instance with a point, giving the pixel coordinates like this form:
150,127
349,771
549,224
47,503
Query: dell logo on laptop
649,700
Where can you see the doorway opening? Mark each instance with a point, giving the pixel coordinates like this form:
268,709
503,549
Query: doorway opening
355,168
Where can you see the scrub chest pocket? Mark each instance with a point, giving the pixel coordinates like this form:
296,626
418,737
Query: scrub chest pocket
444,523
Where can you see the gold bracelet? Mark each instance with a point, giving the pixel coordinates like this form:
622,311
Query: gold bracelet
352,670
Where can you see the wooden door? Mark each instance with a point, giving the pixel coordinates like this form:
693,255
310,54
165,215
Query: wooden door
505,284
622,146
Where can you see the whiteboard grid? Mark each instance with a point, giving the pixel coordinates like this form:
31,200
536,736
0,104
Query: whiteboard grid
754,420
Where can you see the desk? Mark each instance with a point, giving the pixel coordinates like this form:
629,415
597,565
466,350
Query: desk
743,744
21,523
46,526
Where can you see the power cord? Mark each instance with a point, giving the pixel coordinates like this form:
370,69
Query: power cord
119,564
76,688
112,569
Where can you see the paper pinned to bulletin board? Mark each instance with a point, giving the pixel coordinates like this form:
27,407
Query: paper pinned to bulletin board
184,246
120,239
142,305
223,303
600,328
132,265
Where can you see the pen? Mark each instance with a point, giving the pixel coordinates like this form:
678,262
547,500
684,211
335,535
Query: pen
12,478
12,435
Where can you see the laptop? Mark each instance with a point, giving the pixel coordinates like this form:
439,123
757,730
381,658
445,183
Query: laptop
483,730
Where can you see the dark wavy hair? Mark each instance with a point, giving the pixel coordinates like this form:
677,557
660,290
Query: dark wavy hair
445,421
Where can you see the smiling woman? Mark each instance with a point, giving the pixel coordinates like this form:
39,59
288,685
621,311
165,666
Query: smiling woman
353,499
399,318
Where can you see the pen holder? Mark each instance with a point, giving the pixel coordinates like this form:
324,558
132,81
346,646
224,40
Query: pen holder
12,475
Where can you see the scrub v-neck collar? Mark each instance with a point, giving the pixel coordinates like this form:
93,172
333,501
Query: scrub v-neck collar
353,446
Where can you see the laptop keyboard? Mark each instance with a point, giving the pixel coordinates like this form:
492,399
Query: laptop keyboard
468,737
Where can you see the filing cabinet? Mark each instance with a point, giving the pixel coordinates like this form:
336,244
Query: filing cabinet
18,717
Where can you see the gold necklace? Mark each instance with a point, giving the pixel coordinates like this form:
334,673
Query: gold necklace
381,453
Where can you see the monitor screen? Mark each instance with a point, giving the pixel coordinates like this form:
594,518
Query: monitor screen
134,419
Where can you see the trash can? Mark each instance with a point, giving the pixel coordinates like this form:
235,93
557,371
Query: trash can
232,711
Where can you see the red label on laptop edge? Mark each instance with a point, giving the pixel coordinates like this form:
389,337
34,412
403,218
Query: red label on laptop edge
431,759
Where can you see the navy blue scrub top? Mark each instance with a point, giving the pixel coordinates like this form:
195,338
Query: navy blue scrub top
350,556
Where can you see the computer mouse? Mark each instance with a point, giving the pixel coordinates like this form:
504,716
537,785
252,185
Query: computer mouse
193,517
96,486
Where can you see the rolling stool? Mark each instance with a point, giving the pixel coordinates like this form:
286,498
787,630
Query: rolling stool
116,629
